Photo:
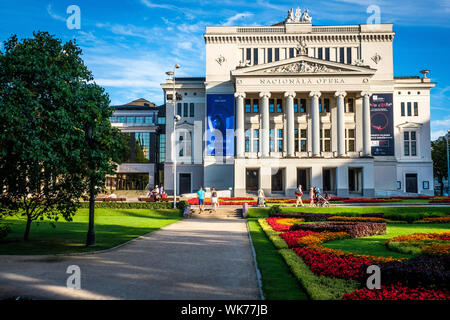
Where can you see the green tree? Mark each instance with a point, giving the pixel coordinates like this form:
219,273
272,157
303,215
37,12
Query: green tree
439,156
49,105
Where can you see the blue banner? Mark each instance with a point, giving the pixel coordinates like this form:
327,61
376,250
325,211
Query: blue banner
382,124
220,125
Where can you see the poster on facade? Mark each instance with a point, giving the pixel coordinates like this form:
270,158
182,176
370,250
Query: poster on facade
220,125
382,126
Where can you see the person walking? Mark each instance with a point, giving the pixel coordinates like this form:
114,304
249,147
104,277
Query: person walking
311,197
201,199
214,199
261,196
299,194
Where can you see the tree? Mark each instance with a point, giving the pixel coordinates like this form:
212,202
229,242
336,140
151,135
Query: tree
439,156
48,104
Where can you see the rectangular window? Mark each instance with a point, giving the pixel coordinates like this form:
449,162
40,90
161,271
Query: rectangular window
179,109
279,105
247,140
303,140
256,140
148,119
255,56
341,55
325,140
403,109
291,53
255,105
248,105
349,55
162,147
131,119
161,120
120,119
416,109
248,55
269,55
277,54
113,119
295,105
303,105
350,107
320,53
191,110
327,54
272,105
350,140
139,120
272,140
324,106
280,140
410,143
409,109
296,139
186,110
142,147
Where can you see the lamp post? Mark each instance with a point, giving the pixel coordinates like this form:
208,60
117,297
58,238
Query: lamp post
90,239
176,118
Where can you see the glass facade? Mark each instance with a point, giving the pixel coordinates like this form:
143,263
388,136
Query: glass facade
128,181
138,147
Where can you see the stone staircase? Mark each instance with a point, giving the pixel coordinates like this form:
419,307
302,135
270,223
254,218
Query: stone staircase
220,213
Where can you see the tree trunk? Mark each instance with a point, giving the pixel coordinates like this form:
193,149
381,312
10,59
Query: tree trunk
442,187
27,229
90,239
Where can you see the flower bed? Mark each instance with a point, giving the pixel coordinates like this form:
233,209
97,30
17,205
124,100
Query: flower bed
397,292
356,219
292,237
282,224
307,217
354,229
434,220
226,201
418,243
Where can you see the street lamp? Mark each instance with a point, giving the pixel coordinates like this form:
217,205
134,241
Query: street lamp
176,118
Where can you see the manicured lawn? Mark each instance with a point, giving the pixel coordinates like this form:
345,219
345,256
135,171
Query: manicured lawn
375,245
264,212
278,282
112,227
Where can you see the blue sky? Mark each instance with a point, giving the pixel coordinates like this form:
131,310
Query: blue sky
129,44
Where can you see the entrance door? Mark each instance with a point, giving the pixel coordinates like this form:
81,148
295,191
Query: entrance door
252,180
355,180
303,178
329,180
184,185
277,181
411,183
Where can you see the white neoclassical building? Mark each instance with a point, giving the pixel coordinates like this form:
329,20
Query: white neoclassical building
295,103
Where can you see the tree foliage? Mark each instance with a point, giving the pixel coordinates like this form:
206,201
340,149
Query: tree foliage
49,105
439,156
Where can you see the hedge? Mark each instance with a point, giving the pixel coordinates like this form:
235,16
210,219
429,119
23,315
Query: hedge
136,205
354,229
274,236
317,287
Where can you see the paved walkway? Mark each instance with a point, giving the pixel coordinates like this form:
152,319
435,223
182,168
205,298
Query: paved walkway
191,259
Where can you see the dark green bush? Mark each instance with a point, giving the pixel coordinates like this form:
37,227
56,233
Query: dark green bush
274,210
136,205
4,231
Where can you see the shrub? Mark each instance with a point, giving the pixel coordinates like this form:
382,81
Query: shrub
425,270
4,231
357,219
434,220
354,229
136,205
317,287
274,210
309,217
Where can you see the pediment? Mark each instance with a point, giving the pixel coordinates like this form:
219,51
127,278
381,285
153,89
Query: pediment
303,65
407,125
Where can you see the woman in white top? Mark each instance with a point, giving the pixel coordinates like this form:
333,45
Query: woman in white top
214,198
261,196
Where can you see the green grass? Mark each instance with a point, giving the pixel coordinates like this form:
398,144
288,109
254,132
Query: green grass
375,245
112,227
264,212
278,282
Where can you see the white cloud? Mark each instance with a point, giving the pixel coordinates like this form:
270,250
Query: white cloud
54,15
441,123
237,17
156,5
437,134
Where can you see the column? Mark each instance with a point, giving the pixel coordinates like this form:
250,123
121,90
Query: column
340,95
315,95
240,129
367,144
290,123
265,124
